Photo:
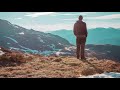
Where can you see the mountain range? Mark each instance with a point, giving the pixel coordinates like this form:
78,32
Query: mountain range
95,36
28,40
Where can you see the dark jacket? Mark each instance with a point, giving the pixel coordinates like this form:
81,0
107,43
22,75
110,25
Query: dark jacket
80,28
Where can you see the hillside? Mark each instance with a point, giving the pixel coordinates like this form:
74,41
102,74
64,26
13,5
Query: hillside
95,36
16,64
99,51
15,37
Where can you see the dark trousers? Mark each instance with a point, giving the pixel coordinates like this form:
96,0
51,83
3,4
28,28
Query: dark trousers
80,43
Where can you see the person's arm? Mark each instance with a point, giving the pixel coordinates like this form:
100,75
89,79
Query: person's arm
86,33
74,29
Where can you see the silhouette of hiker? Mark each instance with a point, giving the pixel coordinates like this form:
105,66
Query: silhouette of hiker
80,31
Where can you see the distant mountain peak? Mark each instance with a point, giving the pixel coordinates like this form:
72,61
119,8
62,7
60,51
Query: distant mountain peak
98,35
5,21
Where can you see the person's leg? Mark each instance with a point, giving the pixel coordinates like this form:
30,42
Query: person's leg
78,48
78,51
82,51
83,48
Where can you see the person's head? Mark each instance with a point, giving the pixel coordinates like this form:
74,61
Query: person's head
80,17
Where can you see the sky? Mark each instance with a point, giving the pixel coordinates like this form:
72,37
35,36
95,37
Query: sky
50,21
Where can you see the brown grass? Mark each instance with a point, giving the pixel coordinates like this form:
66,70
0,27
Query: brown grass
13,59
18,65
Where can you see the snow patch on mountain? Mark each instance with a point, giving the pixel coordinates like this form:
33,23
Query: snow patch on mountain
28,49
8,43
62,53
21,33
24,49
13,48
1,52
52,46
103,75
41,40
68,48
16,26
59,43
108,51
46,53
87,49
11,39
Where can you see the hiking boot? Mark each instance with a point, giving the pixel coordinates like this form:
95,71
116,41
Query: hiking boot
77,57
83,58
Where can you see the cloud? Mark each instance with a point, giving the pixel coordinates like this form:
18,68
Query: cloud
86,13
102,24
49,27
37,14
70,14
70,19
77,13
68,26
65,14
105,17
18,18
113,16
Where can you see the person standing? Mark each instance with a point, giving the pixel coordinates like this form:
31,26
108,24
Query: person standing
80,31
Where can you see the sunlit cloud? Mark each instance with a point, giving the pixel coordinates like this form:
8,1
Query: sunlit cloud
37,14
